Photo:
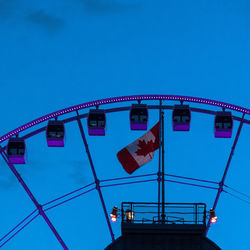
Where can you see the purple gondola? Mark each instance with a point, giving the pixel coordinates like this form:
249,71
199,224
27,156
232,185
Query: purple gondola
181,118
16,149
223,124
138,117
96,122
55,134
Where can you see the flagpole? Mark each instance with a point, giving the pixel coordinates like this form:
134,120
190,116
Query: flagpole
159,170
162,167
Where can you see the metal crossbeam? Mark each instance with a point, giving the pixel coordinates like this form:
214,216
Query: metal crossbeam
159,174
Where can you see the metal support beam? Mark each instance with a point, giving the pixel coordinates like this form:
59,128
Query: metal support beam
38,206
159,169
97,181
221,183
163,215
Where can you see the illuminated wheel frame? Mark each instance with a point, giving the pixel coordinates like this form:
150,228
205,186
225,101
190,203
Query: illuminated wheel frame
98,184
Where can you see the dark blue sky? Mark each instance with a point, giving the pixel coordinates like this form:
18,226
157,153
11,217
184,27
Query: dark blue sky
54,54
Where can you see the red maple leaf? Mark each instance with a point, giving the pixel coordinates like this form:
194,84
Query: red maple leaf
145,148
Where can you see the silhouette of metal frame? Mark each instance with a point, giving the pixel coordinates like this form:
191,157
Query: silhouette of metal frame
98,184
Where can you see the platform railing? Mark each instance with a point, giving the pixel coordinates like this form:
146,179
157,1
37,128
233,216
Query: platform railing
175,213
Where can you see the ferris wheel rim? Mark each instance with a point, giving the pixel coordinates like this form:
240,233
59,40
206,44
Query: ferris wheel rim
122,99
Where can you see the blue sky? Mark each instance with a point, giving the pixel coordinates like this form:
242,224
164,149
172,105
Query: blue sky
54,54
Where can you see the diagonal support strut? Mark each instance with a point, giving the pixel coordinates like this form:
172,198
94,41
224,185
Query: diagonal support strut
97,181
221,183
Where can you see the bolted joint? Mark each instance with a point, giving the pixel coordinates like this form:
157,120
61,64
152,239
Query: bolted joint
221,184
97,183
40,209
159,176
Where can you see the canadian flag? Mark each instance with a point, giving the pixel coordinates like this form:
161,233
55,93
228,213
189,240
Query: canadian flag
141,151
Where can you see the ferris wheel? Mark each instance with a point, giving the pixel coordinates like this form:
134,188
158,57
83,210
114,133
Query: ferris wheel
94,116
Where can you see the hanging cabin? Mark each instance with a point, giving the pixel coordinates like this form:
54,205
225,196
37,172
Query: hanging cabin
223,124
96,122
181,118
55,134
138,117
16,150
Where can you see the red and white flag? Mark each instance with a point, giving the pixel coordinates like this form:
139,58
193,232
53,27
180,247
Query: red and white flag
141,151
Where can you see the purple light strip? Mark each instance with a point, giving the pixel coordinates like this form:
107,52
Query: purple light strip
191,184
97,182
69,199
18,225
128,177
193,179
122,99
125,183
38,206
221,184
19,230
63,196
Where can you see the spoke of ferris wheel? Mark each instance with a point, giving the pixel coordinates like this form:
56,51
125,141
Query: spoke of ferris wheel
97,182
38,206
19,230
221,184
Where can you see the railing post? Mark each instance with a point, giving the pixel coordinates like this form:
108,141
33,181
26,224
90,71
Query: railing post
195,213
